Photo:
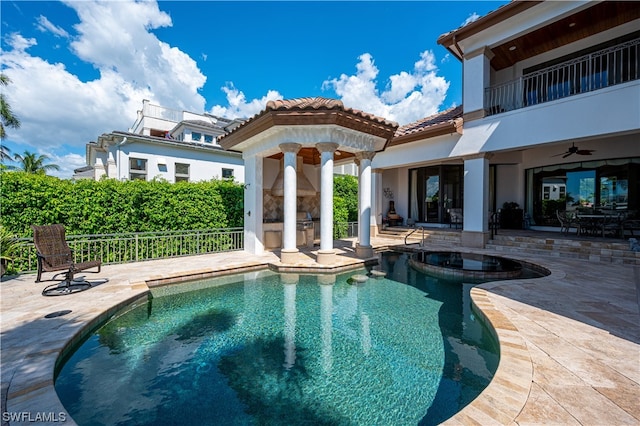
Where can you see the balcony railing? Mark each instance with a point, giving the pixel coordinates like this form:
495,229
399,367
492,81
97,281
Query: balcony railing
138,246
157,111
604,68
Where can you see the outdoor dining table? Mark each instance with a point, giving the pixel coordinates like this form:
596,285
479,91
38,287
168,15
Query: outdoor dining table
598,223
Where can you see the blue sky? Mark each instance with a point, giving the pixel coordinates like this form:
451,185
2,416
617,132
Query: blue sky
82,68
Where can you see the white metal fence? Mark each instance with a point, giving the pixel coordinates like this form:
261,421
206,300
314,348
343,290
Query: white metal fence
607,67
138,246
340,230
141,246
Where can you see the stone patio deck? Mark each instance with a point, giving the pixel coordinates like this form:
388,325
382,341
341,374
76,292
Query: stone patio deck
570,342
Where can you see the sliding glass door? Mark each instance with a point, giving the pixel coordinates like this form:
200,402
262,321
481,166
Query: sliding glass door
433,191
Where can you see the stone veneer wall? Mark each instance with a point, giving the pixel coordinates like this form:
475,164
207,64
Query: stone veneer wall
273,206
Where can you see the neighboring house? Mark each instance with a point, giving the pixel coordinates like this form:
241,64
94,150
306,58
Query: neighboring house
169,144
550,101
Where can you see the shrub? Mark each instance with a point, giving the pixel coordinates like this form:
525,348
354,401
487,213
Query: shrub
110,206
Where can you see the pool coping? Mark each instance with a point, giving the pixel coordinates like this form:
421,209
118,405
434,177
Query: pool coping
31,388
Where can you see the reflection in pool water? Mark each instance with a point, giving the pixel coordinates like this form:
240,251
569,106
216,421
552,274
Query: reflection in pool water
285,349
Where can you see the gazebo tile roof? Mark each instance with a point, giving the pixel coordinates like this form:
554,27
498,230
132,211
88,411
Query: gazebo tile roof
311,110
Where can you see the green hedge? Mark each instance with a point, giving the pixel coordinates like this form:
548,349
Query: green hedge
346,188
110,206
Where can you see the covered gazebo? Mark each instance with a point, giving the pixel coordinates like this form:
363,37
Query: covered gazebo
288,151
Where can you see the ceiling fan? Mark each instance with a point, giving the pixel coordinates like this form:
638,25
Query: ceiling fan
573,149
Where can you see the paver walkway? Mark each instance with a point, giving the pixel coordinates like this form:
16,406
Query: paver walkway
570,342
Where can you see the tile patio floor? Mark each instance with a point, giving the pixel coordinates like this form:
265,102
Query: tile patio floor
570,342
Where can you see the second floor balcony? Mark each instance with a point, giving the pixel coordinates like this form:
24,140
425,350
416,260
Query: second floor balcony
603,68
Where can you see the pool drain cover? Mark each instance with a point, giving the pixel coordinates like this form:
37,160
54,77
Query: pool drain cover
58,313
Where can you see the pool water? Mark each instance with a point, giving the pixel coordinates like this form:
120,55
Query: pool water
266,348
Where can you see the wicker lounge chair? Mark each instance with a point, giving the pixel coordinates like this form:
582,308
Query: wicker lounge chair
54,254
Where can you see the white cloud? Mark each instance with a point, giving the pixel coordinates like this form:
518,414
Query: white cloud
473,17
67,163
239,107
409,96
45,25
19,43
58,109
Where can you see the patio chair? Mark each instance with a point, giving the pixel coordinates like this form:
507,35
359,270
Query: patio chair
455,217
567,220
54,254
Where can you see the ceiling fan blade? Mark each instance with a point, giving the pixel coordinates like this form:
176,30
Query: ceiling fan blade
585,151
557,155
567,154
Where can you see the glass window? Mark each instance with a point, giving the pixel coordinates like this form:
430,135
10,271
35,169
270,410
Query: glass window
182,172
227,173
587,186
208,138
137,168
195,136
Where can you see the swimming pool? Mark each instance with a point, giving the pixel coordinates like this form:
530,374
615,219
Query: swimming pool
286,349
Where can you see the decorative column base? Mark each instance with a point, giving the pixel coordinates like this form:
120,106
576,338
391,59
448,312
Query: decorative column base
364,252
474,239
326,257
289,256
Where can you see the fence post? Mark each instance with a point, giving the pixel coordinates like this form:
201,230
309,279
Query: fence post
136,235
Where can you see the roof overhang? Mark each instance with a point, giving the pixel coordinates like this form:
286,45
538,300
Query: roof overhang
117,138
309,121
585,20
440,129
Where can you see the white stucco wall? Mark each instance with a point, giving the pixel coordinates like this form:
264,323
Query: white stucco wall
203,164
612,110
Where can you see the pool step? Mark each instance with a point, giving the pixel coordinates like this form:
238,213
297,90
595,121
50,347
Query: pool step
593,251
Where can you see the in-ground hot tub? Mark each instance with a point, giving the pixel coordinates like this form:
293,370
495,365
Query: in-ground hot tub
452,264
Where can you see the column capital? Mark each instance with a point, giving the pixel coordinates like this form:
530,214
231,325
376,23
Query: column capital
290,147
378,171
327,147
365,155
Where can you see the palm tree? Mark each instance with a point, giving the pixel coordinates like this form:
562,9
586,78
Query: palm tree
8,119
34,163
5,153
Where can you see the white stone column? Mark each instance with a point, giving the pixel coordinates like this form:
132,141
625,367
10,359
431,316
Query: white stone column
476,201
289,250
364,249
253,205
476,67
356,161
376,201
112,168
326,254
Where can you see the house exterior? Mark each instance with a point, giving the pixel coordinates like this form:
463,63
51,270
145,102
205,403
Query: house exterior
551,100
169,144
550,103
